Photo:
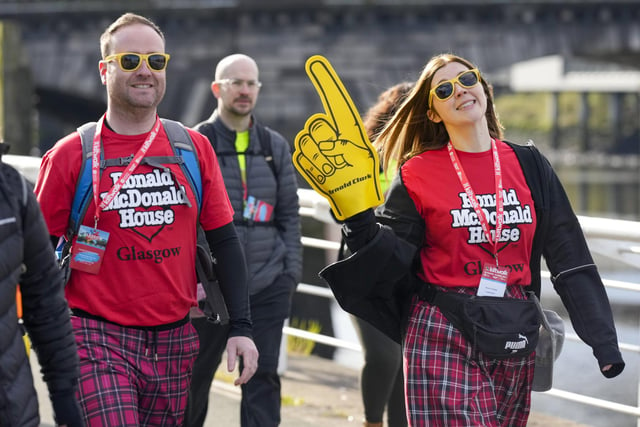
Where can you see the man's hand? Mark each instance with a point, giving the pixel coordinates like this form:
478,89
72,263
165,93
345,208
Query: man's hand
245,348
333,152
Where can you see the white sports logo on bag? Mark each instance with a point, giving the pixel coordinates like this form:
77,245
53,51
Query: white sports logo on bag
517,345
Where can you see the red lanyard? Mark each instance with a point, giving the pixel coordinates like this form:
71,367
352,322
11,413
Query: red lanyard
95,167
474,201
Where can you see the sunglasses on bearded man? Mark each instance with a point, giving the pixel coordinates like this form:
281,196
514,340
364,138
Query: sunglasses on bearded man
129,61
444,90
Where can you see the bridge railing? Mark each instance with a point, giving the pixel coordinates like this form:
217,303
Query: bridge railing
615,239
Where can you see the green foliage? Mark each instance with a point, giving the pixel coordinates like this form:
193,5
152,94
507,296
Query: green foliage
533,111
524,111
531,116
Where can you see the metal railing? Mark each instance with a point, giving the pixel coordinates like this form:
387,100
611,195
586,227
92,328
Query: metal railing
615,239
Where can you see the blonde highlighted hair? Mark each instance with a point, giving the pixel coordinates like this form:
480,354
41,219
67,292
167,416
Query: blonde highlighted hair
411,132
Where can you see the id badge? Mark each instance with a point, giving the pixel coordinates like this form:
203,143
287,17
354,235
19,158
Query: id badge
249,208
256,210
88,251
493,282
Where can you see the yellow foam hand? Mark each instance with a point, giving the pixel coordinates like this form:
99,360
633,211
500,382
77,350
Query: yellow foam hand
333,152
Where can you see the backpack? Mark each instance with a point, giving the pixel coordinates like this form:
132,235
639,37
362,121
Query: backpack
264,137
184,155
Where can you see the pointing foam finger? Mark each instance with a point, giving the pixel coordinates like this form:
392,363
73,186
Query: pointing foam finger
342,113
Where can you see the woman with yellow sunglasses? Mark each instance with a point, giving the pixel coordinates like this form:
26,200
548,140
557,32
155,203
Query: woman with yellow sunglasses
465,223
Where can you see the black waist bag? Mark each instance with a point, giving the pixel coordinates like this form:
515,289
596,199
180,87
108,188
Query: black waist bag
501,328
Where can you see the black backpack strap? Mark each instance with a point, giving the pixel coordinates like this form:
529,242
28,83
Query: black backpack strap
84,190
182,146
264,137
180,142
147,160
208,130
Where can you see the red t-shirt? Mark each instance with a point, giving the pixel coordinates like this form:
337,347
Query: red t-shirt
147,277
455,246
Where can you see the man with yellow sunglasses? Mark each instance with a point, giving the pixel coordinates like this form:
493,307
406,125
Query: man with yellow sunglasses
132,282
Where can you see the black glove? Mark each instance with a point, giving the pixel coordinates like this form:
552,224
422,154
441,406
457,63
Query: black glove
615,370
66,409
358,230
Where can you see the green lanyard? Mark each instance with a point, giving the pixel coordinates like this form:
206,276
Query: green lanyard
242,143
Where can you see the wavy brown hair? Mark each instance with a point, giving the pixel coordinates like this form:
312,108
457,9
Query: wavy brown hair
410,132
385,107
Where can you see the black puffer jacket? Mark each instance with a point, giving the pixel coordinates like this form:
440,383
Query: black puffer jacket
275,249
28,259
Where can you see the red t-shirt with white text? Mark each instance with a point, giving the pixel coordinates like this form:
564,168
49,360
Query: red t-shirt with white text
455,246
147,277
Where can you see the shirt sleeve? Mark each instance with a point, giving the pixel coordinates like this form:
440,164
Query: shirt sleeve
56,183
231,270
216,209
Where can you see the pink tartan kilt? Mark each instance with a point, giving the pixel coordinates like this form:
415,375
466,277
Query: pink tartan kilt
132,377
450,384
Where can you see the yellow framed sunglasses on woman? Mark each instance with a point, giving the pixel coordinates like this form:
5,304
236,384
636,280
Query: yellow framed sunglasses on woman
444,90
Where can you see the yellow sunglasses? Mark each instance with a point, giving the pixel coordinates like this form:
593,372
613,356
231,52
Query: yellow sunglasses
444,90
129,61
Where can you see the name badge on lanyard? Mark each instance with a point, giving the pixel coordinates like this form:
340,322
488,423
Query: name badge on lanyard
493,282
91,243
494,278
88,251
